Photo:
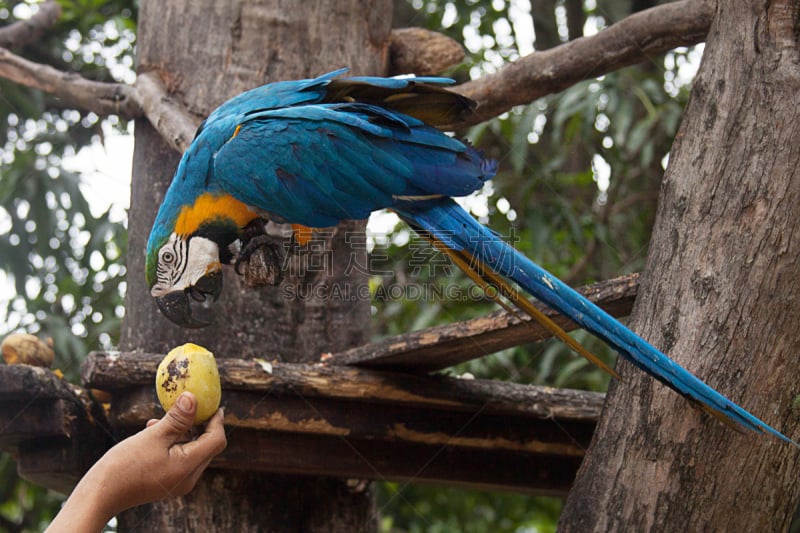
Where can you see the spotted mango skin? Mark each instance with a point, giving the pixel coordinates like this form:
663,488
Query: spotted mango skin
190,368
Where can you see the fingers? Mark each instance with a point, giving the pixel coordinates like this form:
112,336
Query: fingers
179,419
211,442
200,452
215,423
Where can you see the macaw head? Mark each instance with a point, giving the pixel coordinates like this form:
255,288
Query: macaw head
181,270
185,253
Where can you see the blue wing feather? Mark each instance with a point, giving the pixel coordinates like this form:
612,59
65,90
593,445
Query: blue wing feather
285,94
401,82
341,161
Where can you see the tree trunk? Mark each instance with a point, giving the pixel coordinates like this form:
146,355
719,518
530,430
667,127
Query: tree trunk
207,51
720,295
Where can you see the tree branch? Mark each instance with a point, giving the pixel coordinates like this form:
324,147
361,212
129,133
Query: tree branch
630,41
169,118
635,39
438,347
22,32
411,49
75,90
422,52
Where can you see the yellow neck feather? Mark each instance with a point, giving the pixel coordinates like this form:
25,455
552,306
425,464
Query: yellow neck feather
208,207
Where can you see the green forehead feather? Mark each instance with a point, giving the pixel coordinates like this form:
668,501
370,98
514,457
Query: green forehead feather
151,260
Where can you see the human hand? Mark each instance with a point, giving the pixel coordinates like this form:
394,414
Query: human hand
157,463
153,464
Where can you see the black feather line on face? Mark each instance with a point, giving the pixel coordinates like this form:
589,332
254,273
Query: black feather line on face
222,231
170,270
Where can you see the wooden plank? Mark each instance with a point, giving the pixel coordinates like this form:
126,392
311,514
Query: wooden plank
439,347
288,433
361,423
24,420
117,371
51,427
480,427
23,381
449,466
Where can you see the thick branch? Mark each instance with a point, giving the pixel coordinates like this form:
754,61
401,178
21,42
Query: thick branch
101,98
23,32
169,118
422,52
633,40
439,347
114,373
413,51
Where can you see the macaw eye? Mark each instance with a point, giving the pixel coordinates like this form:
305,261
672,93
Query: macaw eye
167,257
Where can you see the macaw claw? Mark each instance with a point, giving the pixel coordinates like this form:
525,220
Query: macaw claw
263,259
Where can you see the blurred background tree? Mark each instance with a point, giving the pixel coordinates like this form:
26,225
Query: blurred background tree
62,245
576,192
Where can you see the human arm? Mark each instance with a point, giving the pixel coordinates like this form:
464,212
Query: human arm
148,466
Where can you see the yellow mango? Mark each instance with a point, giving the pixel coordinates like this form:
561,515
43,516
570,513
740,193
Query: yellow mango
189,368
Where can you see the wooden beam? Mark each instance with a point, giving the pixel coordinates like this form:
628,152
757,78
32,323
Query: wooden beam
445,465
25,420
480,427
378,442
439,347
358,423
20,382
52,428
118,371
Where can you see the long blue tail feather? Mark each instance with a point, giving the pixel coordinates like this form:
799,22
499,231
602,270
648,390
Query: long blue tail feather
446,222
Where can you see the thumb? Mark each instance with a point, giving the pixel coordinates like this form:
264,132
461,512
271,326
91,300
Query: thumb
180,417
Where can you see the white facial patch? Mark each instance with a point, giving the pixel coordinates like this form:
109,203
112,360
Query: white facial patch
181,263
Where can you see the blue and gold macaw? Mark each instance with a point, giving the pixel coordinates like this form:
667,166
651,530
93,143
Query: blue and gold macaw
315,152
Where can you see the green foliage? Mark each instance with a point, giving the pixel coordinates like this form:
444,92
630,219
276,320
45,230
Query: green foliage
24,508
64,262
576,192
442,510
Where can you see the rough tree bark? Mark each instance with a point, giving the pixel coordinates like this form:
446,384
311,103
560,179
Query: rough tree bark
719,294
206,51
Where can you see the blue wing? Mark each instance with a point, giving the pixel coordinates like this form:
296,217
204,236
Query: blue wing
439,107
318,164
261,146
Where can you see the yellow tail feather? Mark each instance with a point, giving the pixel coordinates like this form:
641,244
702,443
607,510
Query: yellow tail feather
722,417
464,260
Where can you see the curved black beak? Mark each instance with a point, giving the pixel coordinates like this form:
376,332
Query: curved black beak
183,311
